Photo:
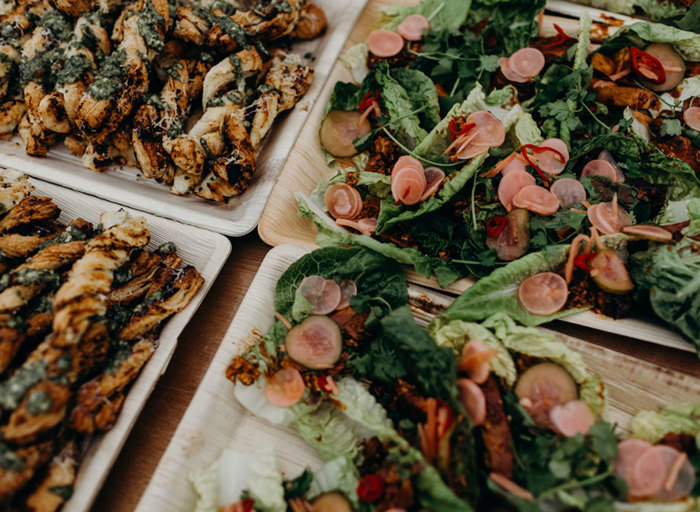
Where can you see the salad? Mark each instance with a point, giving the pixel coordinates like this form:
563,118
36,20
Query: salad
460,416
559,176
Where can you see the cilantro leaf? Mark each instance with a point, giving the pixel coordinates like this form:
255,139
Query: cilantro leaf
671,127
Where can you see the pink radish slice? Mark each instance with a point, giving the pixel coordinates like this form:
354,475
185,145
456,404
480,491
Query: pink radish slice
600,84
599,167
605,155
323,294
557,144
475,360
680,480
407,161
504,166
511,184
471,150
473,400
649,472
434,178
385,43
315,343
527,62
572,418
543,294
673,64
408,185
411,28
368,224
510,486
285,387
619,75
692,118
649,232
628,451
536,199
508,72
342,201
348,290
365,226
550,162
604,219
569,192
517,164
489,130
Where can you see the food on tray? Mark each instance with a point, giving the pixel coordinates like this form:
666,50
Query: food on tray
186,92
81,307
683,14
519,159
464,416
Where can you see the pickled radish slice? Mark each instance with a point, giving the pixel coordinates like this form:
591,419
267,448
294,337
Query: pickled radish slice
408,184
475,360
509,73
323,294
600,167
434,178
527,62
543,294
648,473
572,418
692,118
609,272
510,486
407,161
568,191
315,343
512,162
628,451
348,290
649,232
342,201
365,226
536,199
470,150
511,184
489,130
385,43
340,128
680,480
606,220
285,387
473,400
412,27
368,225
543,386
619,175
673,64
550,162
518,163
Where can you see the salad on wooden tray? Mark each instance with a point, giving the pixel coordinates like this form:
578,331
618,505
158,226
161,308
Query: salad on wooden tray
563,176
460,416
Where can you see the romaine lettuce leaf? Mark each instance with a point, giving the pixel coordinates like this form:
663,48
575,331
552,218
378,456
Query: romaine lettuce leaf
339,474
686,43
443,14
653,426
422,92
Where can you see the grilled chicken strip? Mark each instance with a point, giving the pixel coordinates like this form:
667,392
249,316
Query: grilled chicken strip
14,337
59,109
23,16
141,269
30,210
312,23
22,464
636,98
179,286
11,113
60,475
123,77
84,295
99,400
14,187
15,246
267,20
10,56
77,7
42,409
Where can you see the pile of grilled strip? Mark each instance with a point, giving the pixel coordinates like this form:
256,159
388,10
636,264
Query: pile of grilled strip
185,90
81,307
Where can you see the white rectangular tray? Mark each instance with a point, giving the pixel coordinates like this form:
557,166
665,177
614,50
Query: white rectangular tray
214,419
205,250
125,186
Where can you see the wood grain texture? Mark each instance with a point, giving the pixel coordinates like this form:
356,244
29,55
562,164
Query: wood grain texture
215,420
306,167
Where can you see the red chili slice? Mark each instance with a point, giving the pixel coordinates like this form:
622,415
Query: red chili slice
367,100
583,261
562,37
536,150
370,488
495,225
647,66
454,130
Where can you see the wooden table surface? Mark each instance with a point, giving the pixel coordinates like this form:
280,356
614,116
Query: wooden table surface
199,342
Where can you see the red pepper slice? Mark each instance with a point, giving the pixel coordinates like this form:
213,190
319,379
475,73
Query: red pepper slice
562,37
370,488
539,149
647,66
583,261
461,130
495,225
367,100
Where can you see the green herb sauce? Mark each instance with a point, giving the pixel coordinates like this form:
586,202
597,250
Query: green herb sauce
9,460
166,248
148,24
111,76
39,402
12,391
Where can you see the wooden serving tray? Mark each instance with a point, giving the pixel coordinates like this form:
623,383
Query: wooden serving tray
306,167
215,420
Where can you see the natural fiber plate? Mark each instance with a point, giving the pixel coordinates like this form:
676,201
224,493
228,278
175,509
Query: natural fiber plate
240,215
215,420
306,167
205,250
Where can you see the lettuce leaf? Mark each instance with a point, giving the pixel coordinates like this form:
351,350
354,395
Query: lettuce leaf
339,474
399,106
686,43
422,92
653,426
443,14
